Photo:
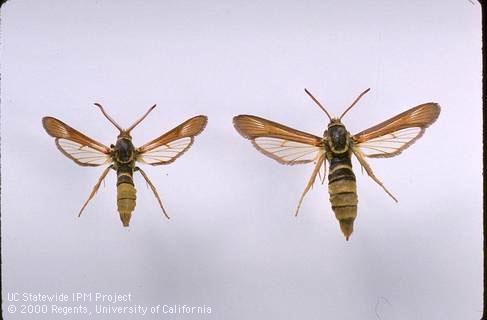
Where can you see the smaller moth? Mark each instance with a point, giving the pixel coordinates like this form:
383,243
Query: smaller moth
290,146
123,156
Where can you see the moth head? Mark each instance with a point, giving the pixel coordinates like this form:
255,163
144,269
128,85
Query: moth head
124,135
335,122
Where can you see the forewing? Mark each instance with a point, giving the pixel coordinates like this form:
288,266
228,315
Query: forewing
283,144
172,144
391,137
75,145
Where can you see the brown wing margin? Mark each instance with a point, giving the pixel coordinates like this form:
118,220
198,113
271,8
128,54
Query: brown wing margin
251,127
62,132
421,116
189,128
58,129
285,145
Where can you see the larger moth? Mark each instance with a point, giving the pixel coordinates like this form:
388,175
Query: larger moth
123,156
290,146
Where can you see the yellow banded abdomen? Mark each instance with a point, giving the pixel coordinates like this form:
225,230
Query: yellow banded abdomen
126,194
343,192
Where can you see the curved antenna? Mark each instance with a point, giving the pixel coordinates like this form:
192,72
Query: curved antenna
140,120
356,100
317,102
108,117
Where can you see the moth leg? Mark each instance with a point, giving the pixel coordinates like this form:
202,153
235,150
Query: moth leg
310,182
153,189
324,171
319,176
95,189
322,179
368,169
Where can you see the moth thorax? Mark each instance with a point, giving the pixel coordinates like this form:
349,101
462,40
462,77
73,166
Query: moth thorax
124,150
338,139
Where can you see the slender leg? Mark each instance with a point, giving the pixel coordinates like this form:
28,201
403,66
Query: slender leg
324,171
95,189
153,189
319,176
311,181
368,169
322,179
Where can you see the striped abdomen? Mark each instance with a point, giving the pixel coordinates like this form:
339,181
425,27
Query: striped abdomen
343,191
125,193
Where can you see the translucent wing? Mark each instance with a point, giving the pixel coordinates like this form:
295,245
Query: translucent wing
281,143
172,144
166,153
75,145
391,137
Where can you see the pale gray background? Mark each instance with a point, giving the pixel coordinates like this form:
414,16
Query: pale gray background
232,242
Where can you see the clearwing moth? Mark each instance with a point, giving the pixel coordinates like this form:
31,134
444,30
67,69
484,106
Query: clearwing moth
290,146
123,156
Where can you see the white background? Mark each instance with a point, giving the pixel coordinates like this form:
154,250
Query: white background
232,242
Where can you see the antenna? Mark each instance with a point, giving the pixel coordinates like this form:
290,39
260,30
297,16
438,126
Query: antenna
108,117
317,102
140,120
356,100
